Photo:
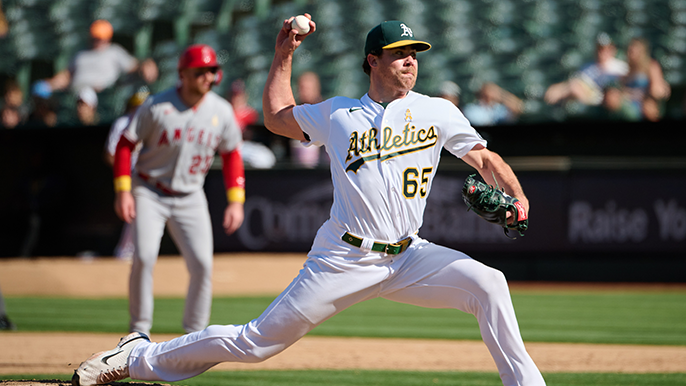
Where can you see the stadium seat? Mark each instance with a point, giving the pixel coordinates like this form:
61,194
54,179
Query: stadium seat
524,46
166,55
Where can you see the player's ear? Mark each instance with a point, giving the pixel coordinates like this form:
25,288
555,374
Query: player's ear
373,60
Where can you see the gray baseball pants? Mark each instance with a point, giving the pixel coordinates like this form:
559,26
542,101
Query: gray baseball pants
188,221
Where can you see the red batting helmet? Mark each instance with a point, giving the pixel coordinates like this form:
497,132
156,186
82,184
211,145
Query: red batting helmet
200,55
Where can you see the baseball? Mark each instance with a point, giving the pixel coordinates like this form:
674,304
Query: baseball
301,24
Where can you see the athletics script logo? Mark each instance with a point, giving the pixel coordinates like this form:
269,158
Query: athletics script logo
371,145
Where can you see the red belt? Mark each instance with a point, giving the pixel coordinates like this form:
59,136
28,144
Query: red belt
159,185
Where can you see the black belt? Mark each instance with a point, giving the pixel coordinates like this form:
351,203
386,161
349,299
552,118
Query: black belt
391,248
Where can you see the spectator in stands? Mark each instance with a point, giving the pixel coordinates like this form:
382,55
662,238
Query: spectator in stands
254,154
651,110
13,96
102,65
616,105
87,107
450,91
494,106
245,114
644,84
638,94
11,117
309,88
14,111
44,111
309,91
587,85
4,26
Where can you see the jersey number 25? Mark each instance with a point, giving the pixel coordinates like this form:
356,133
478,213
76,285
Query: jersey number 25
201,164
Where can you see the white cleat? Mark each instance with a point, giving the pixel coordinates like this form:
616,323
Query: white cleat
108,366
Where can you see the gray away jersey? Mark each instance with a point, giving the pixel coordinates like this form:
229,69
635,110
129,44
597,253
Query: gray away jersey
179,142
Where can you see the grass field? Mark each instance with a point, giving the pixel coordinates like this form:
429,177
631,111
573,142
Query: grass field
623,318
628,317
401,378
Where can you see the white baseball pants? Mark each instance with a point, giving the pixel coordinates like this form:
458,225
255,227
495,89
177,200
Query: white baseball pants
188,220
425,275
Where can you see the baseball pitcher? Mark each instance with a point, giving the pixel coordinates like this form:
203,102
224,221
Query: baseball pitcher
384,150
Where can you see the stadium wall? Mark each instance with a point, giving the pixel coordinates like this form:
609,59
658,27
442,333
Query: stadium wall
608,204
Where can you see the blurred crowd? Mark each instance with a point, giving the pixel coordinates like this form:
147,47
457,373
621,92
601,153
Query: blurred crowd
630,90
608,87
620,83
90,72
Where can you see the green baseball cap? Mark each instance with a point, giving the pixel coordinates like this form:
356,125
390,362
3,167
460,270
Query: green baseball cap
392,34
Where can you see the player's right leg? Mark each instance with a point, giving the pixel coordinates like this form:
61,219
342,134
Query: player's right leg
148,228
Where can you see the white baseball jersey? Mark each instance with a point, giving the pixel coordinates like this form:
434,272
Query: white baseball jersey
398,147
179,142
382,163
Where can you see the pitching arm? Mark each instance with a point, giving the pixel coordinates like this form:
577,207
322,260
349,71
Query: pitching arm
277,98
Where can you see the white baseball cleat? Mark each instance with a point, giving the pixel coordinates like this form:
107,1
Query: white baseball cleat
108,366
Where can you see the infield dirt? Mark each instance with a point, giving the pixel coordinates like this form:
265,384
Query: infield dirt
268,274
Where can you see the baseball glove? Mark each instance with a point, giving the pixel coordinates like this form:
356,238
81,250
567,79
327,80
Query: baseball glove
492,204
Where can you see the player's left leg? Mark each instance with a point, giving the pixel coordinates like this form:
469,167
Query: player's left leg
433,276
191,229
324,287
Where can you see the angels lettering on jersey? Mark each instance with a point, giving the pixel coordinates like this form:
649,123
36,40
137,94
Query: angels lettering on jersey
383,145
175,136
196,137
